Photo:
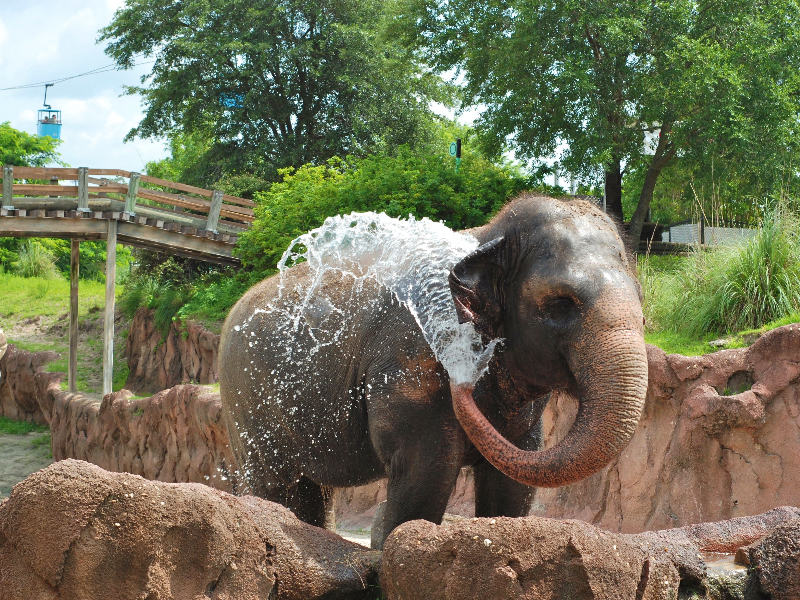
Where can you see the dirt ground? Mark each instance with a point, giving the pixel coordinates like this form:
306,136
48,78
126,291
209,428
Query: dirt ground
19,457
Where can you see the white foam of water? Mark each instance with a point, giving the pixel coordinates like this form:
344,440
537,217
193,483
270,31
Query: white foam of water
413,259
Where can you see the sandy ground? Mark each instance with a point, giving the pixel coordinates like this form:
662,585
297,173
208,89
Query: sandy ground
19,457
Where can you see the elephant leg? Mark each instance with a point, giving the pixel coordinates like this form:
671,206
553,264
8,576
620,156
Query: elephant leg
496,494
420,484
309,501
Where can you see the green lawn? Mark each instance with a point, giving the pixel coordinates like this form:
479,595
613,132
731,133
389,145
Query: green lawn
34,314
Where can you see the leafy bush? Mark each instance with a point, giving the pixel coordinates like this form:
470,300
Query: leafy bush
34,260
730,289
92,255
165,297
424,185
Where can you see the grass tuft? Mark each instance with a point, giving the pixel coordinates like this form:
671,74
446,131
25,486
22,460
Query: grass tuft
11,427
729,289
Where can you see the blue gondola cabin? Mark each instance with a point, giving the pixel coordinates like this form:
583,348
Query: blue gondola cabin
49,123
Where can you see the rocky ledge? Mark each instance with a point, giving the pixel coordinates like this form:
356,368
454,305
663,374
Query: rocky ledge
74,530
187,354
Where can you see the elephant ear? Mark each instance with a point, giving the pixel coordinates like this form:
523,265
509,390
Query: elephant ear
475,284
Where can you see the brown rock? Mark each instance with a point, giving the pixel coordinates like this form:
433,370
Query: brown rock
546,558
22,381
520,558
776,559
75,531
174,436
188,354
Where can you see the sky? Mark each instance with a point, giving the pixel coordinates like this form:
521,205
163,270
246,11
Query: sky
44,40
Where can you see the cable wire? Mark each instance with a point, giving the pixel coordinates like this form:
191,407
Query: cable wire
105,69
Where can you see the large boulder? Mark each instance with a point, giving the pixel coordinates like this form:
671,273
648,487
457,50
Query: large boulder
537,558
74,530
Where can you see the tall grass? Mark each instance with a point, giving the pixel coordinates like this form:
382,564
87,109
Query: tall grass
730,289
36,261
166,298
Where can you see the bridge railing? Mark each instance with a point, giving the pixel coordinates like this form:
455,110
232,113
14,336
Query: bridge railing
223,211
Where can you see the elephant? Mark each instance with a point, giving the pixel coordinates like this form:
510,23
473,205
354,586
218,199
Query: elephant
309,411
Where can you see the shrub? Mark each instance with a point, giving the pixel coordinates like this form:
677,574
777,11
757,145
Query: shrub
35,261
424,185
734,288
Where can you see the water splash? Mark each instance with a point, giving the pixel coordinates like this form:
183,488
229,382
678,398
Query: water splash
413,259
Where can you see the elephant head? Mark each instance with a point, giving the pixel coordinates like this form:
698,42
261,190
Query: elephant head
553,279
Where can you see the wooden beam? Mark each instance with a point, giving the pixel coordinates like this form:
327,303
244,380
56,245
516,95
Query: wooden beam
108,325
133,189
46,172
131,234
213,213
8,187
112,172
74,269
83,189
235,212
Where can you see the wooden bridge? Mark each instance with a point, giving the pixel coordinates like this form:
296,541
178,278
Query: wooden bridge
103,204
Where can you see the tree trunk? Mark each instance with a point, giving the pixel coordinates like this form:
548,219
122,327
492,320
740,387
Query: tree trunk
613,189
664,153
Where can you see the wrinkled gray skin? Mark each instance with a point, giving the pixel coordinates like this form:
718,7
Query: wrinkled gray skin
550,277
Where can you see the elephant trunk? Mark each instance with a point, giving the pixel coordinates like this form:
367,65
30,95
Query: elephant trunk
611,370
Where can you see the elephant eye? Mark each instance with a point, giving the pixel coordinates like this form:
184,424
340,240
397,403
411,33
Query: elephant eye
560,305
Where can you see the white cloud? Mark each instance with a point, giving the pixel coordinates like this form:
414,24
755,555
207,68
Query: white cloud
44,40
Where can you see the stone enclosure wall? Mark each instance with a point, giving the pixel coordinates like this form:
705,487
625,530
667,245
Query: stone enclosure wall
188,354
719,438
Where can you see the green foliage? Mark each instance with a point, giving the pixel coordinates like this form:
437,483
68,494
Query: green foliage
9,426
422,184
730,289
47,252
719,80
212,300
24,150
163,296
35,261
258,86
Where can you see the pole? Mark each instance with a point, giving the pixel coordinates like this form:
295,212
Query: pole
74,268
108,326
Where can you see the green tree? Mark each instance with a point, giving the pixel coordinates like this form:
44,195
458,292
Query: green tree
272,83
715,79
423,184
24,150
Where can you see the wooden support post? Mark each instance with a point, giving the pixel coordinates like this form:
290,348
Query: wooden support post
74,268
213,212
133,189
83,189
8,187
108,327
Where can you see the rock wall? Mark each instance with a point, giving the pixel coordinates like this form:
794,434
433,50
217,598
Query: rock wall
187,355
719,438
22,381
174,436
